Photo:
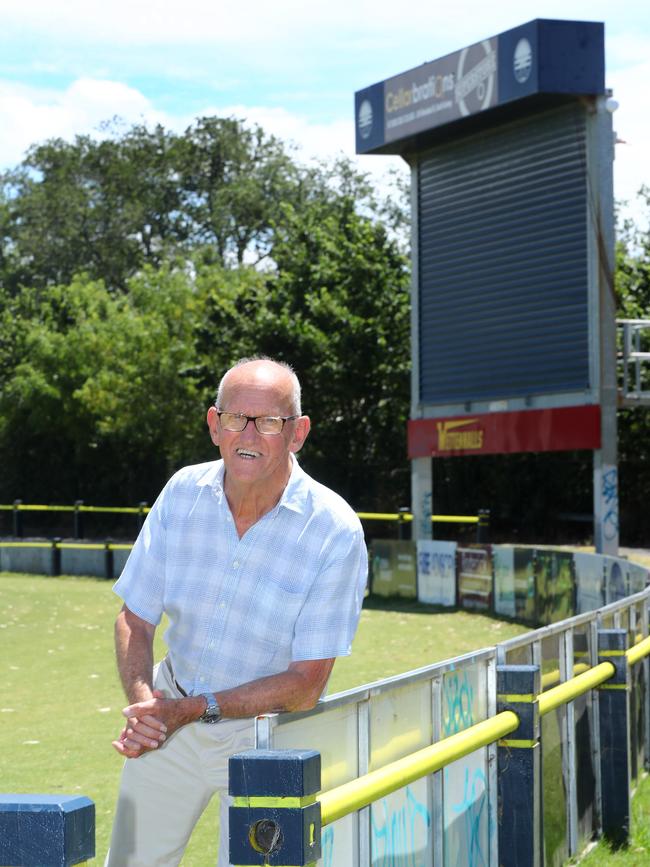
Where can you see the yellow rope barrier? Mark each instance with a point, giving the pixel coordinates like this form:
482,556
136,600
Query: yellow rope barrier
359,793
82,546
136,510
407,516
118,510
35,507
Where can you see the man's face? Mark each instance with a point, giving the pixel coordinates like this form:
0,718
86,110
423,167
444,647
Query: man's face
258,389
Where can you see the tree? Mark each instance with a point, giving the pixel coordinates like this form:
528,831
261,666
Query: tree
98,399
336,308
141,197
234,180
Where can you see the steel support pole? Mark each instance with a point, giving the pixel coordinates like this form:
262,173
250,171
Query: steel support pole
601,220
421,498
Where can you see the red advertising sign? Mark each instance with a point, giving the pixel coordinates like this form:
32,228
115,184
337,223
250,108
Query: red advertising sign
498,433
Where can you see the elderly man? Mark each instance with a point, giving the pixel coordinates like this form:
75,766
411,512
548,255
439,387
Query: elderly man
261,572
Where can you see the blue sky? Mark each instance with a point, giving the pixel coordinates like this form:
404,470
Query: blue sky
291,66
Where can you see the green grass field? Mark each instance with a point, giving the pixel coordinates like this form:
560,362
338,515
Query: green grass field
61,701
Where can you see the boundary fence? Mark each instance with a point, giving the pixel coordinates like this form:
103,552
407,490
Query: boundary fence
254,776
401,519
531,787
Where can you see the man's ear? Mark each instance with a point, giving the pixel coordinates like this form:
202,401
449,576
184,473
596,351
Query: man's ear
300,433
213,424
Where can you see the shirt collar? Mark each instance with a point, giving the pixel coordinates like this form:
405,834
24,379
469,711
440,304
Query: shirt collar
293,497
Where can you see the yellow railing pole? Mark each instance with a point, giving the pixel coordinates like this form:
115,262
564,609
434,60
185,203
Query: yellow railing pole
359,793
552,677
638,652
571,689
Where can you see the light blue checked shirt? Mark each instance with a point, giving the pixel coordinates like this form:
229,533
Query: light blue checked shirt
290,589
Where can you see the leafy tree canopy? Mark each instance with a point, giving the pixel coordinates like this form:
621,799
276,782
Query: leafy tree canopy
136,269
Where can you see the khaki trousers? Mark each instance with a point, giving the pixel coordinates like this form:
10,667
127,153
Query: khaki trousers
163,793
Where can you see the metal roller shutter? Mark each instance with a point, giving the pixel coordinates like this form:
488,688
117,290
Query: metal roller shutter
502,225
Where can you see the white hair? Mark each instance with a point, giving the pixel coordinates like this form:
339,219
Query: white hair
295,395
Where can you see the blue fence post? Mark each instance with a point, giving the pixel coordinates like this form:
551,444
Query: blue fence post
18,519
401,522
46,830
519,768
78,520
56,556
275,818
141,514
483,527
614,715
108,560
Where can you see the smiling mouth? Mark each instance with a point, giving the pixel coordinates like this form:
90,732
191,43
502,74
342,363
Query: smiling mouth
248,454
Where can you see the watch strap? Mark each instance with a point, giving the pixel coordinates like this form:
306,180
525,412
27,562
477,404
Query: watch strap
212,712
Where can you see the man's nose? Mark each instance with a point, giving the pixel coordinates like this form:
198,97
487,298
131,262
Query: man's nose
250,428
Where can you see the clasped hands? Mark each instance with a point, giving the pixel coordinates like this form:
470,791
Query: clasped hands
151,722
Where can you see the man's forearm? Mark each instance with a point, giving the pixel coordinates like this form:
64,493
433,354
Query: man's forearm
134,653
296,689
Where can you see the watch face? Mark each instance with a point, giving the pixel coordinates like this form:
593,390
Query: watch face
212,713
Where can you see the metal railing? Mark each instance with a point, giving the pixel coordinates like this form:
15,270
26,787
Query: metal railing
361,792
78,510
277,830
401,518
634,354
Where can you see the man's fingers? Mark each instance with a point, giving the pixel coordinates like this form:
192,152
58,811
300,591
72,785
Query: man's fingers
148,727
123,750
144,714
136,738
154,726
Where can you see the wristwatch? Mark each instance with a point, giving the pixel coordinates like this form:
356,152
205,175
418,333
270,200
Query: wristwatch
212,713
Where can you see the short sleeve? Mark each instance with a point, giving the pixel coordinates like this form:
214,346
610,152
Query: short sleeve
142,582
330,614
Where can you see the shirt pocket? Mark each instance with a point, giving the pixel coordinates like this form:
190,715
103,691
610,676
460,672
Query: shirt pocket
272,613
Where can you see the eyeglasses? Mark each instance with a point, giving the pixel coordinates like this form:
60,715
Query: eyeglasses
270,425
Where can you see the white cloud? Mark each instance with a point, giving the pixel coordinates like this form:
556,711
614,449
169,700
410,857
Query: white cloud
30,115
632,125
324,139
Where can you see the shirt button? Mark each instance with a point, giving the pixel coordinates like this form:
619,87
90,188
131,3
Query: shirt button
222,605
235,564
202,679
211,644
